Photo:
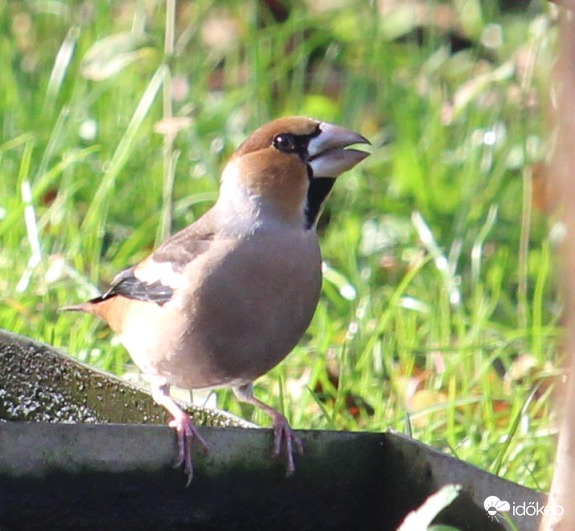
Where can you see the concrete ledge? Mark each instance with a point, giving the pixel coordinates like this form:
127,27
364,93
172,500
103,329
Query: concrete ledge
64,470
41,383
58,476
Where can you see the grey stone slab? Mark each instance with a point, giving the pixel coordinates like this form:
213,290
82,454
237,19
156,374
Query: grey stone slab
41,383
81,476
65,470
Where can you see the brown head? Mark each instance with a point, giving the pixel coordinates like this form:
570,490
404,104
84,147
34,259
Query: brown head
290,164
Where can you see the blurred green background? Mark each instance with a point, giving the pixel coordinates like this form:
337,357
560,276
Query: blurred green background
439,316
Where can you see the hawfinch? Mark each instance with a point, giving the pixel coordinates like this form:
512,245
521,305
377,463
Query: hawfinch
226,299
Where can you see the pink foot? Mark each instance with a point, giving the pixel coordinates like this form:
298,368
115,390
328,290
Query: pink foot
283,434
186,433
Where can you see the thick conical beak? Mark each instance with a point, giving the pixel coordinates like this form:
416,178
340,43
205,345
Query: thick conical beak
327,154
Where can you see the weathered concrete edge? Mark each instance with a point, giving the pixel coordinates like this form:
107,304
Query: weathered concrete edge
77,393
32,451
477,484
39,382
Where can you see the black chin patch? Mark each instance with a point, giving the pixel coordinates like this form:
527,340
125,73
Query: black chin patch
131,287
319,189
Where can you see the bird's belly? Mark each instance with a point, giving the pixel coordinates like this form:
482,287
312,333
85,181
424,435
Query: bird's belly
244,314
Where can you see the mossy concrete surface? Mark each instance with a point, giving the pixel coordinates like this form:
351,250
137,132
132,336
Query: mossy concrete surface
69,474
40,383
78,476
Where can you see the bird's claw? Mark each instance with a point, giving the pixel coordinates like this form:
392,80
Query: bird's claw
186,433
284,434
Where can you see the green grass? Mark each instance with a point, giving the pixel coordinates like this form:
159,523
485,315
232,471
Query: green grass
439,316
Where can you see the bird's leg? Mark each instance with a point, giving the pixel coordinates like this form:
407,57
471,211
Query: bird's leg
182,423
282,430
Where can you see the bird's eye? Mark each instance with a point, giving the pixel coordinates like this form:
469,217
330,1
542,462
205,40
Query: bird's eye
285,142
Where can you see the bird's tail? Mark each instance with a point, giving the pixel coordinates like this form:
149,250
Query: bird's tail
82,307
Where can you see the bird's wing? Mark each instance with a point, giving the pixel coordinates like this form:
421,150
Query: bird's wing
130,286
156,277
185,246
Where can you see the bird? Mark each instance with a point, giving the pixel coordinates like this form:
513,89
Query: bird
224,300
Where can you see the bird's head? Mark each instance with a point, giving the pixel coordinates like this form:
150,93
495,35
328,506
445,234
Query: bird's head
288,166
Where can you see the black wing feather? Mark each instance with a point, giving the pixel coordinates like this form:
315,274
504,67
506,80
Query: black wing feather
179,251
130,286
